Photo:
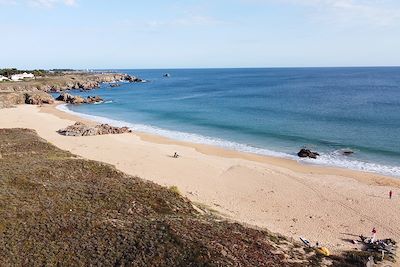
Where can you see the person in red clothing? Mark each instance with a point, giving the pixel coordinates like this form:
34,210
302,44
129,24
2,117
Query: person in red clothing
373,235
390,194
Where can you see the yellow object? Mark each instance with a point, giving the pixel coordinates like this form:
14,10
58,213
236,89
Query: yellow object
323,250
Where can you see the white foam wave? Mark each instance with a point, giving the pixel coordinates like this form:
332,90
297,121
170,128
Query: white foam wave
337,160
333,159
176,135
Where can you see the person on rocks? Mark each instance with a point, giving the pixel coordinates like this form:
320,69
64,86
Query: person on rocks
373,235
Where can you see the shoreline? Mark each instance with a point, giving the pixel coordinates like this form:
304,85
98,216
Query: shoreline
282,195
227,151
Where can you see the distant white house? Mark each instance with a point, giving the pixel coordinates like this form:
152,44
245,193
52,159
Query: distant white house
18,77
2,78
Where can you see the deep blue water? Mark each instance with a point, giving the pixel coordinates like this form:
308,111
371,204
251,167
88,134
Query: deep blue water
268,111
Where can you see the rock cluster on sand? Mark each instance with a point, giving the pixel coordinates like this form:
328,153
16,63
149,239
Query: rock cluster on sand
72,99
306,153
9,99
38,98
81,129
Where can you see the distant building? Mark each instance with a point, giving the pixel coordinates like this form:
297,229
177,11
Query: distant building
2,78
18,77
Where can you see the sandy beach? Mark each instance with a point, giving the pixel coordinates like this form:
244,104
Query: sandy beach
328,205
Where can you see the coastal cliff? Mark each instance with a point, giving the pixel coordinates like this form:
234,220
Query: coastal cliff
66,81
19,92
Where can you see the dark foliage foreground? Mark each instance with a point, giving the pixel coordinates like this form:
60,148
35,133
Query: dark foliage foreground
57,209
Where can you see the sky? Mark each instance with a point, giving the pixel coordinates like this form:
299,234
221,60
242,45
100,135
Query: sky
135,34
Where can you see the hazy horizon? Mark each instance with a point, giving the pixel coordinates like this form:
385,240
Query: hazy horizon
249,67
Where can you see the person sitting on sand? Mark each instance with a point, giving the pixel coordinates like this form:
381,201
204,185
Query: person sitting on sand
176,155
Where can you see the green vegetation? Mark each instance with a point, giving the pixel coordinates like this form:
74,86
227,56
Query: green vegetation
62,70
175,189
39,72
8,72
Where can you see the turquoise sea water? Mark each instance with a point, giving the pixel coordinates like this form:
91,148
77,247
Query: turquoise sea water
267,111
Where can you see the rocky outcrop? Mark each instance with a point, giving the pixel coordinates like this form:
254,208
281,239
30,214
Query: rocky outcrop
9,99
94,99
72,99
67,81
81,129
306,153
133,79
38,98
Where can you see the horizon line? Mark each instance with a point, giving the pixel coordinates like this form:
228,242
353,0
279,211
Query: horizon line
179,68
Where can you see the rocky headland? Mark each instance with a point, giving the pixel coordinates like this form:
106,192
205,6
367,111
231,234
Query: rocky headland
67,81
14,93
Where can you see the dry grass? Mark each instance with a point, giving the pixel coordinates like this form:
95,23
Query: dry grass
57,209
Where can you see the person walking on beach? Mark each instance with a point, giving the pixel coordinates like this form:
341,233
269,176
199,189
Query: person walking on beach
373,235
390,194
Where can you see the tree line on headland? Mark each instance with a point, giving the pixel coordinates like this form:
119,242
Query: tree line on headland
8,72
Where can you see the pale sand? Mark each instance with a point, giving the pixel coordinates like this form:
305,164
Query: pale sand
328,205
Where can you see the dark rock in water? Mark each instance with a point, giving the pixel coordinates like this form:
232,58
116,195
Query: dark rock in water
94,99
167,75
347,152
133,79
306,153
81,129
115,85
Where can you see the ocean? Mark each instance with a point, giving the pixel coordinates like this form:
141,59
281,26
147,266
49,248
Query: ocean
267,111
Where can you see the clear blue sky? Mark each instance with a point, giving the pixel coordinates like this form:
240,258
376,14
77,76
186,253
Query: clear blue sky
198,33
